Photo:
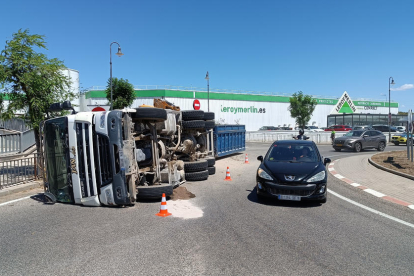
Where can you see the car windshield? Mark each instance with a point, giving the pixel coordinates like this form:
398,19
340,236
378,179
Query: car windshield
357,133
293,153
56,159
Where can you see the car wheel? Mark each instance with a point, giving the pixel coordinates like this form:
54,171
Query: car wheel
337,149
357,147
381,146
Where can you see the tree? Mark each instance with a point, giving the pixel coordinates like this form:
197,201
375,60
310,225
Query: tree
29,80
301,108
123,93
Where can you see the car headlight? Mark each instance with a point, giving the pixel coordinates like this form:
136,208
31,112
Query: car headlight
261,173
317,177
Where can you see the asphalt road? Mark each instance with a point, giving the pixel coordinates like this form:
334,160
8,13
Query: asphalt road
232,234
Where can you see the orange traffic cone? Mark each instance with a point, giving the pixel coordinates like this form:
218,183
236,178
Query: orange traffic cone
228,178
246,160
163,210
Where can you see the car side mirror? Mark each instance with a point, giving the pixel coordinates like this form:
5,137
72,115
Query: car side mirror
260,158
326,161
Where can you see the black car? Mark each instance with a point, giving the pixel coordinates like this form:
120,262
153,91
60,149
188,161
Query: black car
361,139
292,170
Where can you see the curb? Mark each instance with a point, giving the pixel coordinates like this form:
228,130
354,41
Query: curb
331,169
20,188
390,170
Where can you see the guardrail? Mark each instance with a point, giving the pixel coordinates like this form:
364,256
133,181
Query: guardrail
19,171
16,142
317,137
15,124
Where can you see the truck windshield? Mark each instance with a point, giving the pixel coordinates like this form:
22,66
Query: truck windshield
56,158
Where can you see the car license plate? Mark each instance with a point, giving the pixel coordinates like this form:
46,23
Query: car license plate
339,145
289,197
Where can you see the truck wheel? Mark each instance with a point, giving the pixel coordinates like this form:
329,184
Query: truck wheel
209,124
195,166
154,191
189,115
150,114
196,176
193,124
211,161
211,170
208,116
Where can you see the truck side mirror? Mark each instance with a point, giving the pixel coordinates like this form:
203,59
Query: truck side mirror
55,107
66,105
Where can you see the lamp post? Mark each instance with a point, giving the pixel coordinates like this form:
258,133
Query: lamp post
119,54
208,92
390,81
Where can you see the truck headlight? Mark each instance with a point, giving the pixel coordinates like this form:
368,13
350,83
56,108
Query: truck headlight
317,177
261,173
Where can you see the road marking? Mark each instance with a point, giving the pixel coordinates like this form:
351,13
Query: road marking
355,184
411,206
375,193
339,176
14,200
371,210
331,169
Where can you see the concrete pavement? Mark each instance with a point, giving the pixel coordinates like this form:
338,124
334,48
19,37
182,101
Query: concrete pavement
359,172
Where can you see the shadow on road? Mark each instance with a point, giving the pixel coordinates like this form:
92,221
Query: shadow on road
280,203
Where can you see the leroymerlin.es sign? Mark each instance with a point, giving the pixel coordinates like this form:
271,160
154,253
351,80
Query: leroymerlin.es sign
344,105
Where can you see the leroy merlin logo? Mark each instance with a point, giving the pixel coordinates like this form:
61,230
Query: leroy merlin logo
344,105
236,110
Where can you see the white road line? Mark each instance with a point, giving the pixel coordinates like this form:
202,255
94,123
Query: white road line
339,176
373,192
15,200
331,169
355,184
371,210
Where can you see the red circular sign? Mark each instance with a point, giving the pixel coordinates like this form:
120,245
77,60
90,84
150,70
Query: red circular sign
196,105
98,108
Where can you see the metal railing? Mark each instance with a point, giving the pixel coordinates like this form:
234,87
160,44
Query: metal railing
20,171
16,142
15,124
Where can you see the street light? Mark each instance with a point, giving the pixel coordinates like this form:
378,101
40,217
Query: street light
390,81
119,54
208,92
385,95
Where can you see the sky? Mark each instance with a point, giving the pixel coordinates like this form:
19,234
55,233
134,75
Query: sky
319,47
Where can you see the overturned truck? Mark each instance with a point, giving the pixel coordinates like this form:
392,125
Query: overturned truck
115,157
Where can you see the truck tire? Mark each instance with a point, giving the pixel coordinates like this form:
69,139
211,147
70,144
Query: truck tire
154,191
208,116
211,161
211,170
196,176
195,166
193,124
210,124
189,115
149,114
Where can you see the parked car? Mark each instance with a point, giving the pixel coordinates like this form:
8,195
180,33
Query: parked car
292,170
384,128
269,128
286,128
339,128
401,139
401,128
358,140
313,129
362,128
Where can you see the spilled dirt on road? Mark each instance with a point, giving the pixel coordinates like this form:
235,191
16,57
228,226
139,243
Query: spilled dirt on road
181,193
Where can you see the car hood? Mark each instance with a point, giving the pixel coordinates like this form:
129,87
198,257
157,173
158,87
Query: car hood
300,170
